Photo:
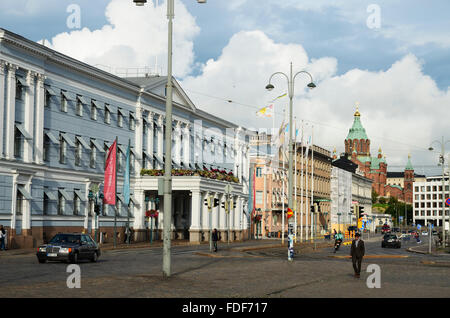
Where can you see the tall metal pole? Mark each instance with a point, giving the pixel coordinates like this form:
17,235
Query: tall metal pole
168,152
443,192
115,206
291,150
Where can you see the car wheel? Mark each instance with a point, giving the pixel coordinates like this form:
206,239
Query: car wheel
94,257
74,258
42,261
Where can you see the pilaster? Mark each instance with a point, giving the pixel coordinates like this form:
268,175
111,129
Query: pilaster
2,103
10,111
29,117
39,124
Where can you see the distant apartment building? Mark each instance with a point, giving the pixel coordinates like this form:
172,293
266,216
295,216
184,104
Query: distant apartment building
428,200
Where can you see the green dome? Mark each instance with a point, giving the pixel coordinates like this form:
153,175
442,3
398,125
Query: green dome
409,165
357,131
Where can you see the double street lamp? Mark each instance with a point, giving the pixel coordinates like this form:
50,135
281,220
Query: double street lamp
290,82
168,142
441,162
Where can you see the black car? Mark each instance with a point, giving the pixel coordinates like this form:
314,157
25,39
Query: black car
70,248
391,240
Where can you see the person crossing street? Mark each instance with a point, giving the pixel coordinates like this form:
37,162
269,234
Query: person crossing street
357,252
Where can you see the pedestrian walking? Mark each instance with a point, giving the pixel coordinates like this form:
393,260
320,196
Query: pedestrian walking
2,238
357,252
215,237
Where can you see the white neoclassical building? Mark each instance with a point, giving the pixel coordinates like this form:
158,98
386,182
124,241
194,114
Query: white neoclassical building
58,118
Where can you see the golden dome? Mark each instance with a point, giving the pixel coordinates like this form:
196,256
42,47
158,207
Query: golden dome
357,110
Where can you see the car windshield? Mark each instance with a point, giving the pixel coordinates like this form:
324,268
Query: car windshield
65,238
387,237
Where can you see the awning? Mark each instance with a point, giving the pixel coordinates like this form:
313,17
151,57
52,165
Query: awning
23,131
66,95
81,99
83,142
148,155
22,81
50,195
123,149
50,91
52,137
133,115
64,194
109,108
25,193
96,104
135,202
80,195
97,145
121,111
68,140
136,155
120,197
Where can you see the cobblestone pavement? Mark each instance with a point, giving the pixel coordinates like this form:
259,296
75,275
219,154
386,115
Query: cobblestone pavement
238,270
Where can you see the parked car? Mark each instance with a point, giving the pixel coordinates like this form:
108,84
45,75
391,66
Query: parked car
424,233
391,240
70,248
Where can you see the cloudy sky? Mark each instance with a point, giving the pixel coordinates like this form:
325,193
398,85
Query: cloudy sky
390,56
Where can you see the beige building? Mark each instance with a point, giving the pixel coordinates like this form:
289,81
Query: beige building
271,177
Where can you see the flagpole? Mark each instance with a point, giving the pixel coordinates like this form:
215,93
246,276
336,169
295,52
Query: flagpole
295,182
313,229
128,205
306,194
301,186
115,205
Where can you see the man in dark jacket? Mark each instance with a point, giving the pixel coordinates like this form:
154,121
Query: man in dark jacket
357,252
215,238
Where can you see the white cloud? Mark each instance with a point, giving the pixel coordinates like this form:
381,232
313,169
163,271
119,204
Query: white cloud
134,37
401,108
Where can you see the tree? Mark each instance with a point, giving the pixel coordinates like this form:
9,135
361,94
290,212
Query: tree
374,196
382,200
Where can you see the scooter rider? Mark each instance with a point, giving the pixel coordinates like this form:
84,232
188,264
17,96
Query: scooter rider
338,241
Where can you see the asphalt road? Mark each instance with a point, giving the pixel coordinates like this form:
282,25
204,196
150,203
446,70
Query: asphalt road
233,273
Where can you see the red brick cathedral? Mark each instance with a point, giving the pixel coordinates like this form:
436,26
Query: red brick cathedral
357,149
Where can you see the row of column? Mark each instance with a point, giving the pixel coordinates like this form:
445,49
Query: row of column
33,113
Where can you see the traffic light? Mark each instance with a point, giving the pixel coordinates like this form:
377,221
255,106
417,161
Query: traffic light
361,210
318,208
208,202
216,202
97,209
352,209
312,208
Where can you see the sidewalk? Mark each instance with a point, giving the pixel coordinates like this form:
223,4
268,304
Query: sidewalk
423,249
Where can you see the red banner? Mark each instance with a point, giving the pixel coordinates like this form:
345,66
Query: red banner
109,189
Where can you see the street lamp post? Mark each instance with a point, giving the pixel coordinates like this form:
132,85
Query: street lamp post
442,162
168,142
290,82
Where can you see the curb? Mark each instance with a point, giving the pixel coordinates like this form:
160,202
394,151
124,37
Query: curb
370,256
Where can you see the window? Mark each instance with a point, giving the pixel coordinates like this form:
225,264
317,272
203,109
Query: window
48,98
259,172
46,204
78,153
259,197
61,203
434,189
132,122
76,205
62,150
19,89
46,150
93,155
107,115
119,118
18,143
63,102
19,202
79,107
119,160
93,111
